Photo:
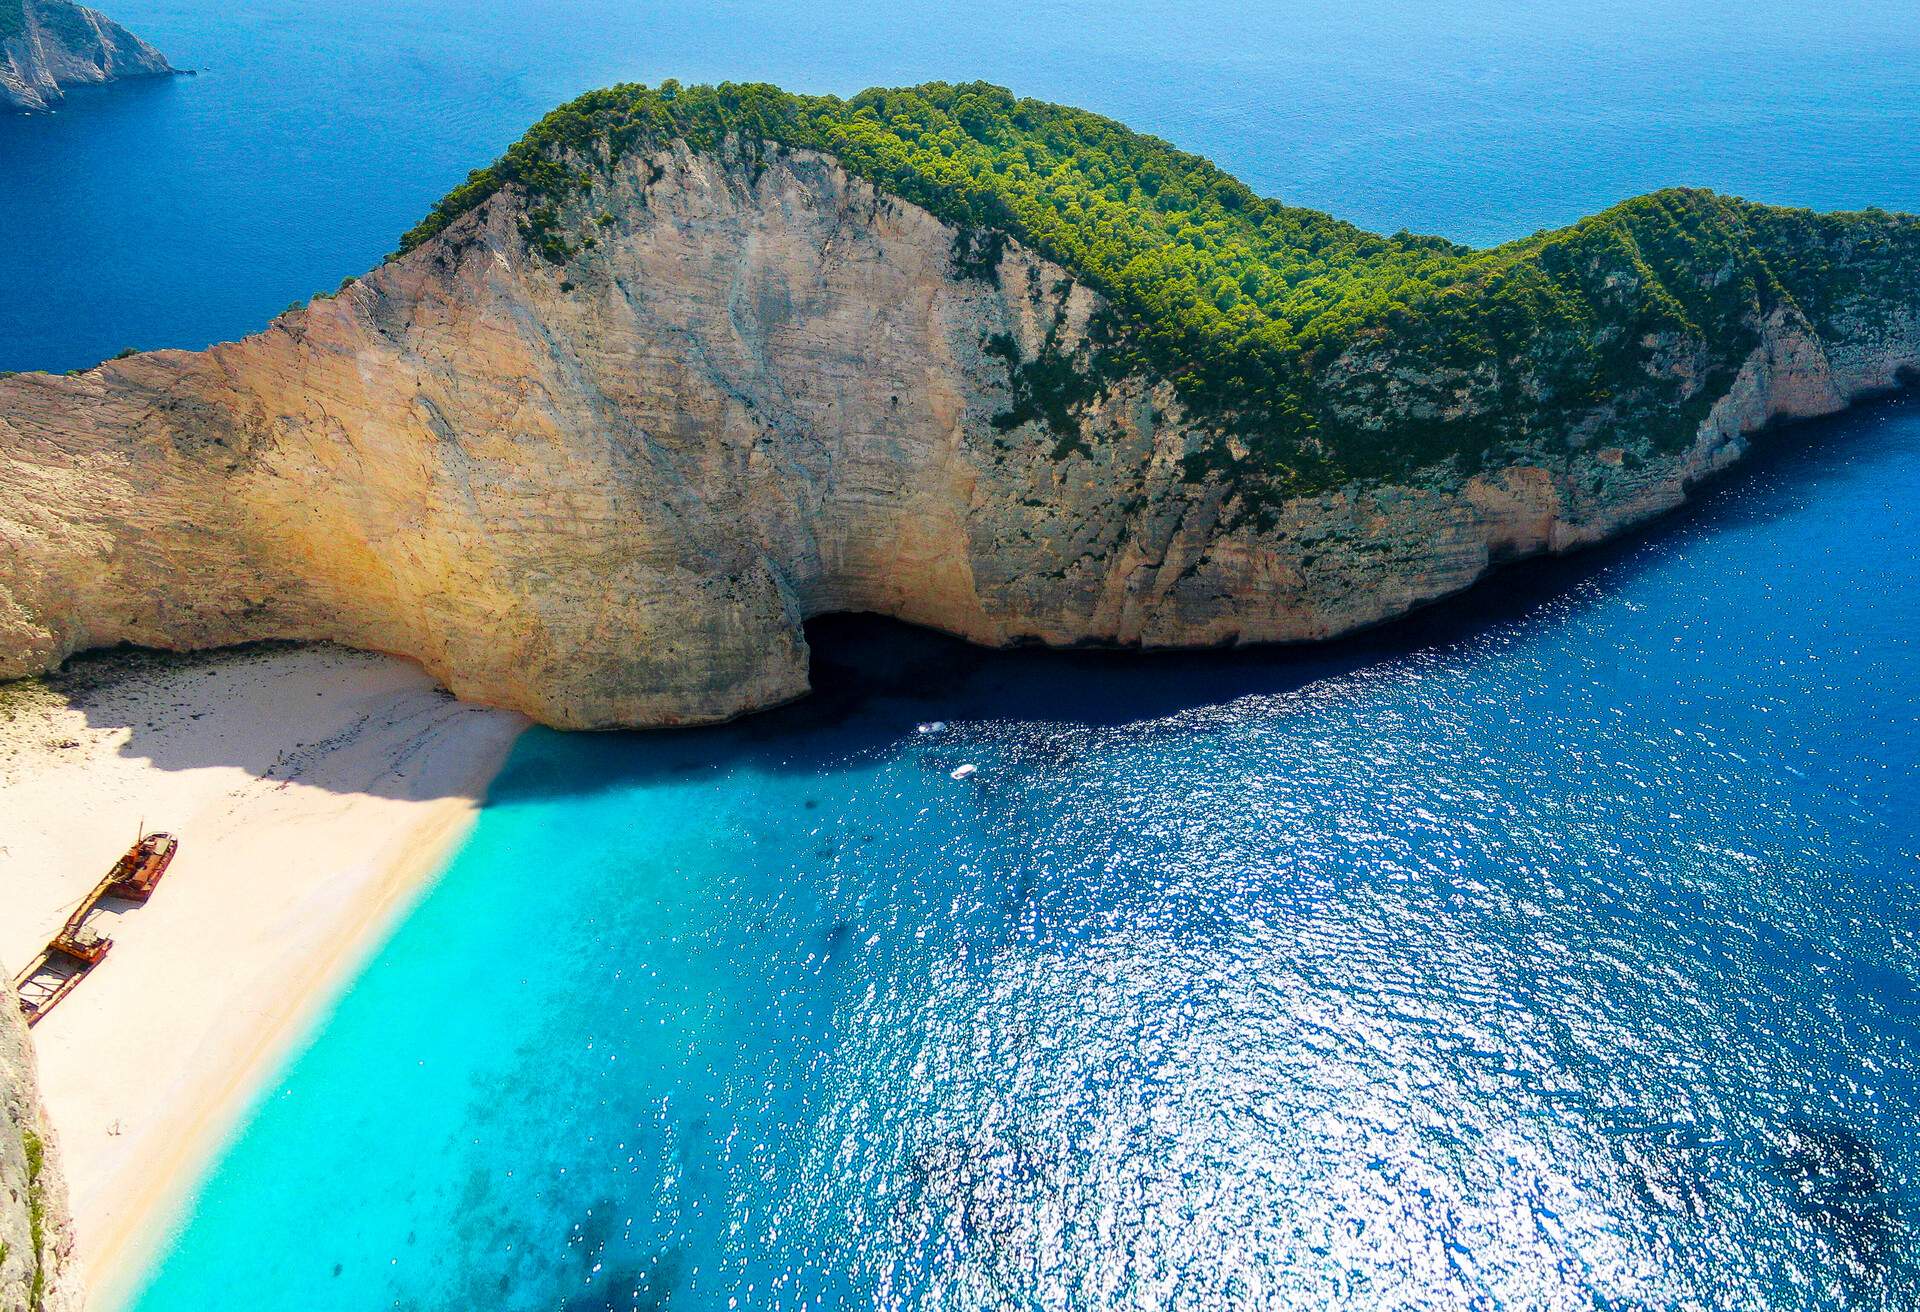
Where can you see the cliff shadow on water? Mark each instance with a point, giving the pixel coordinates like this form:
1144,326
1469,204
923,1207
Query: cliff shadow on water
874,679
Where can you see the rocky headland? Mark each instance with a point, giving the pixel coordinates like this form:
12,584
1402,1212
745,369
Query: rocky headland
691,366
47,46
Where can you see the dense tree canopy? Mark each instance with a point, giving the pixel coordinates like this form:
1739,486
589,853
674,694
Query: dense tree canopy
67,24
62,20
1250,305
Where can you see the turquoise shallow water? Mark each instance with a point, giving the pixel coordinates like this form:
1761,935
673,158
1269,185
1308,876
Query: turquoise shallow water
1553,950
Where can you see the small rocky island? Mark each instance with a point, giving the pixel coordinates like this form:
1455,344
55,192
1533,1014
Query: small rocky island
47,46
691,365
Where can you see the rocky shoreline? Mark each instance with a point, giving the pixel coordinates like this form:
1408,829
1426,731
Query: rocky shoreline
49,46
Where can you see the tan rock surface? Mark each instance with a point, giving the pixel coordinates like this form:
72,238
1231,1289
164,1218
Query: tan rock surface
36,1236
53,45
614,500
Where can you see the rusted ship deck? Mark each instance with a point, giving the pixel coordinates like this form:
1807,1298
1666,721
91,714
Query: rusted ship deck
80,945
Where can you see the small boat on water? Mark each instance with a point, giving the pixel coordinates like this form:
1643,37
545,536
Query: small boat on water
80,946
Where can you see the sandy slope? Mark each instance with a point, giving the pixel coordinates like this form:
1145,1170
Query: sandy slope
314,791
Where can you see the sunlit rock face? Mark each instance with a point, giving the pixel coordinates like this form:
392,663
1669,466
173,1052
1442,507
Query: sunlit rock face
610,493
36,1239
47,46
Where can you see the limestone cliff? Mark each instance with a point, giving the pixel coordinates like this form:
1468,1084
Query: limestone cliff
36,1241
608,489
49,45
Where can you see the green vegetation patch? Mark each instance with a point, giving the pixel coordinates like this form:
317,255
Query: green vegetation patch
13,19
66,24
36,1152
1332,353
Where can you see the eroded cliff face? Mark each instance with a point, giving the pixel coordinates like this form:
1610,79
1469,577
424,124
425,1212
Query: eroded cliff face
49,45
610,494
36,1238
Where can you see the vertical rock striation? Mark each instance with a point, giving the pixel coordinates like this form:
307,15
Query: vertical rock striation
36,1241
608,491
47,46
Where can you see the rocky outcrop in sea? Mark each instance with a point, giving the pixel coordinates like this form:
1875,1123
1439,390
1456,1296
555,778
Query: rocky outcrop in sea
47,46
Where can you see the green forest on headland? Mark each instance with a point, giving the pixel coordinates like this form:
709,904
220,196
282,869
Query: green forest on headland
1244,301
61,19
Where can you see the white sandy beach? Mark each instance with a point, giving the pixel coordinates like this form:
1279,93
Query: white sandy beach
315,792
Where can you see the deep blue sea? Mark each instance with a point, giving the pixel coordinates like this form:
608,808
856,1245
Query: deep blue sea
1555,949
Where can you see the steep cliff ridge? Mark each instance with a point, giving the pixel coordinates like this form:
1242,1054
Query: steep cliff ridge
36,1241
49,45
691,366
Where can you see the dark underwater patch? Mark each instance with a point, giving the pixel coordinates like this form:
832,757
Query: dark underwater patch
1837,1182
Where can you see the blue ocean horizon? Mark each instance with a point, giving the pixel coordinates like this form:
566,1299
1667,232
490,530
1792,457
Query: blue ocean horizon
1554,948
180,212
